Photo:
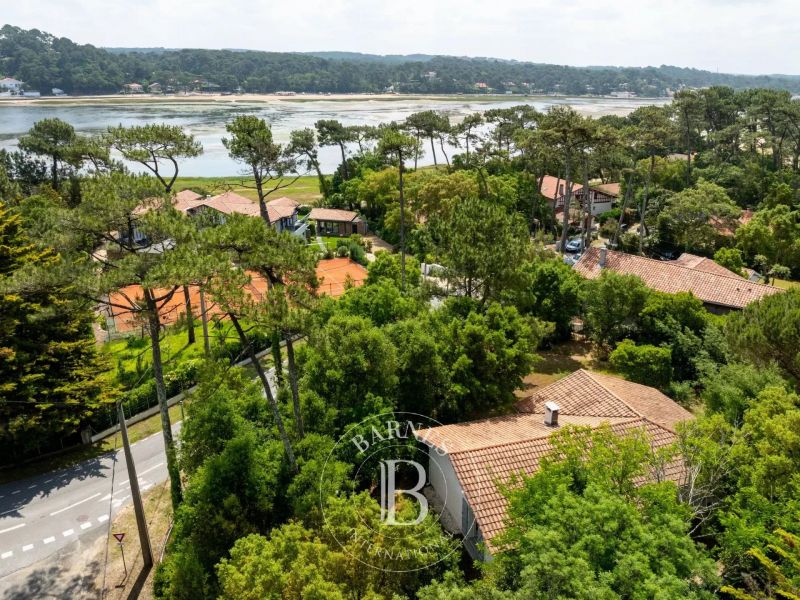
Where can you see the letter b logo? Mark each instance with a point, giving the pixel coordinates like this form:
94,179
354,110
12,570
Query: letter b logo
389,490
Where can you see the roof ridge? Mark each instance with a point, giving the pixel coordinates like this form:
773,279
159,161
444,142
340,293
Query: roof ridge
675,264
617,396
549,433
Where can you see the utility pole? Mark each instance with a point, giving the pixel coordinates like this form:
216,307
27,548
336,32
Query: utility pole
138,509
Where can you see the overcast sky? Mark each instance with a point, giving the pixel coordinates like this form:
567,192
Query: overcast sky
736,36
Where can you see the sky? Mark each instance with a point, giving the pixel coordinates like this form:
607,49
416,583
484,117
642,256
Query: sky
732,36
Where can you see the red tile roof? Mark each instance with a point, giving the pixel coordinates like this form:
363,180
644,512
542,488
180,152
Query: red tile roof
671,277
553,187
612,189
230,203
701,263
333,214
487,453
281,208
186,199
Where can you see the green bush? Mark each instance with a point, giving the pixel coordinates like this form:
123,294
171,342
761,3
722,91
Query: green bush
646,364
612,215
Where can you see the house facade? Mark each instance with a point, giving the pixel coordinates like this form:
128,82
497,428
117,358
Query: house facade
602,197
335,222
470,462
9,84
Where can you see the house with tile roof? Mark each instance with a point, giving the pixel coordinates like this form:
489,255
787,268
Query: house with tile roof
601,196
470,462
719,289
282,212
342,223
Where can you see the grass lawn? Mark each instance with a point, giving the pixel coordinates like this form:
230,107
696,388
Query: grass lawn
305,190
786,284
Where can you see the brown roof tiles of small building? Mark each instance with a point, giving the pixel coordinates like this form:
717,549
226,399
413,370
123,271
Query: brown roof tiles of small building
728,291
333,214
490,452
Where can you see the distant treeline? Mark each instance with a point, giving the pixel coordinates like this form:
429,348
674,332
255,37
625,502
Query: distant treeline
44,61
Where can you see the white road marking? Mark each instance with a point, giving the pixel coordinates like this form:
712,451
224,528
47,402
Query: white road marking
104,498
151,468
12,528
147,487
27,547
60,510
68,532
30,487
15,492
48,480
86,525
6,555
102,518
49,540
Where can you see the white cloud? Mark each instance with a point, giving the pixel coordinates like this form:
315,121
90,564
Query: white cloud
744,36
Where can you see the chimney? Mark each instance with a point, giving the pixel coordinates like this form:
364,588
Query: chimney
560,189
603,253
551,414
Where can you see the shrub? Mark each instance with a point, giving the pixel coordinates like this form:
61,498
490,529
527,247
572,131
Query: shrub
609,215
646,364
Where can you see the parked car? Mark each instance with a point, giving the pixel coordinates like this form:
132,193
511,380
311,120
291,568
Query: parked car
574,245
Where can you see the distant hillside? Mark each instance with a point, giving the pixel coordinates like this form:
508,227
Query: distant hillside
45,61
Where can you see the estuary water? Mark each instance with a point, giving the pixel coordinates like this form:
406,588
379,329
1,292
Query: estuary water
206,119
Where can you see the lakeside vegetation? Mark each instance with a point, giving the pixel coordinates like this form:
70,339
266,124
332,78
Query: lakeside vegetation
260,489
45,61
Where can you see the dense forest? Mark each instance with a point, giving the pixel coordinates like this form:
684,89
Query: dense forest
45,61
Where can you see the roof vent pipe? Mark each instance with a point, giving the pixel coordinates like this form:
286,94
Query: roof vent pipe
551,414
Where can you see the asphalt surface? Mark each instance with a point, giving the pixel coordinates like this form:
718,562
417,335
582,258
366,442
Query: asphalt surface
43,515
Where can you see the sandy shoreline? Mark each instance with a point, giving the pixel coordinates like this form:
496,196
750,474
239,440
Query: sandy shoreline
275,98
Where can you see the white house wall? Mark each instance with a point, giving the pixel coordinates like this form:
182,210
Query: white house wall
443,478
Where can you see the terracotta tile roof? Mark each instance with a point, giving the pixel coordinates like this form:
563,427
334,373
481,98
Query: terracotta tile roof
333,214
186,199
281,208
612,189
701,263
488,453
670,277
283,201
230,203
553,187
595,394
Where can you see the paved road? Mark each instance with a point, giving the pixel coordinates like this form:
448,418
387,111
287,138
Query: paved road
42,515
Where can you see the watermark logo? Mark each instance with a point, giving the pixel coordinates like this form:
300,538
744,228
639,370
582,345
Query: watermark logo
389,490
398,527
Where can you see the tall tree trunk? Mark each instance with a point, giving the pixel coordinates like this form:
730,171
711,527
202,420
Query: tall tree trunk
567,201
275,348
273,403
262,205
402,229
154,327
625,200
298,415
416,152
204,321
345,173
466,139
688,157
187,301
642,228
433,149
446,158
587,206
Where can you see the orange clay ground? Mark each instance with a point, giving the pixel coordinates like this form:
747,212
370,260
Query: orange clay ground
333,275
